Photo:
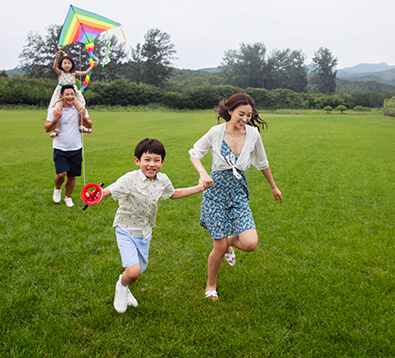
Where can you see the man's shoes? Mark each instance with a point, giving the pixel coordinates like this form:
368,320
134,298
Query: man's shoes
68,201
121,296
57,195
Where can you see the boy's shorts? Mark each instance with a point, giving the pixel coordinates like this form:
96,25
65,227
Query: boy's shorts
133,250
68,161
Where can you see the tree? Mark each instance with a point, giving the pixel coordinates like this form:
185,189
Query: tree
324,78
286,69
39,53
328,109
341,108
152,60
245,67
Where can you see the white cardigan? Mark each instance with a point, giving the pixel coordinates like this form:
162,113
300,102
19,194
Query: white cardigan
253,151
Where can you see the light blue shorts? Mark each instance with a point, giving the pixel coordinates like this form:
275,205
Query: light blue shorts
133,250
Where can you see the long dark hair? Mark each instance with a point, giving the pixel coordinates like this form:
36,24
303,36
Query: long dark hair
240,99
67,58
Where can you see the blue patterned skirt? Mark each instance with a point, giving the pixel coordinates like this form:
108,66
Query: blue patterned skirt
225,209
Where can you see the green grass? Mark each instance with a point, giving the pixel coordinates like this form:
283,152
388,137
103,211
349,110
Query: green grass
320,284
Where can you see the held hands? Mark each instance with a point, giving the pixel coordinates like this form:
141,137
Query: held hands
57,113
206,181
81,112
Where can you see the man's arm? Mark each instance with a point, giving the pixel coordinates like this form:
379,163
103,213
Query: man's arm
51,125
86,120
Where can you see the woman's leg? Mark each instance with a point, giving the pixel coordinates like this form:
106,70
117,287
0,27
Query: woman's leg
215,258
245,241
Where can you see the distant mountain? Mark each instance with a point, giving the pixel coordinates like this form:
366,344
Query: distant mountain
364,68
210,69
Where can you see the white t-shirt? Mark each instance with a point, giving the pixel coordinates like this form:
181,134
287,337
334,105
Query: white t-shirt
69,137
138,201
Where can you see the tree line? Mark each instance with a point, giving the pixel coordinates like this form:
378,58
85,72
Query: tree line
278,79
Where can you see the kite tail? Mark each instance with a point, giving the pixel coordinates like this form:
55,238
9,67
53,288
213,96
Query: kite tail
64,53
89,48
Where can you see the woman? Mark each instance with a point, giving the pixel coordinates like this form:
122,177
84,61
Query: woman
234,145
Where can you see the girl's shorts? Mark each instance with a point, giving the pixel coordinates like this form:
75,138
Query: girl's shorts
133,250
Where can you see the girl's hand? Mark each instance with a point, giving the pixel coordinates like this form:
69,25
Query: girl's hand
277,194
94,64
206,180
57,55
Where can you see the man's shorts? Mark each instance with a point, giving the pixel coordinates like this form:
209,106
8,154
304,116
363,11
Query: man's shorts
133,250
68,161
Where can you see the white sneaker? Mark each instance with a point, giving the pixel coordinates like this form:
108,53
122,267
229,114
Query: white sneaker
57,193
131,300
121,297
68,201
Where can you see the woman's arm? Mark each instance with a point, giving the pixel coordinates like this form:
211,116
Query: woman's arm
86,72
276,193
206,180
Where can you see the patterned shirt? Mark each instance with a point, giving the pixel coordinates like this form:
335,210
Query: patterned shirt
138,199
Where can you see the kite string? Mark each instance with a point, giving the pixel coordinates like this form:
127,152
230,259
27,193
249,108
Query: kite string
82,132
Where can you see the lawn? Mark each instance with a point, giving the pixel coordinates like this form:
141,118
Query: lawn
320,284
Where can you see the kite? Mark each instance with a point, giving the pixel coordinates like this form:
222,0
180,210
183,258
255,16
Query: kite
84,26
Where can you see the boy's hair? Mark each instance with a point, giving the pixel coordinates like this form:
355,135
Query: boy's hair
149,145
65,87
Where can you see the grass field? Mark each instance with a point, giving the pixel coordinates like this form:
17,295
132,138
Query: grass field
320,284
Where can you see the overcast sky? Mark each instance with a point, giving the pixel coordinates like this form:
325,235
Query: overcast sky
354,31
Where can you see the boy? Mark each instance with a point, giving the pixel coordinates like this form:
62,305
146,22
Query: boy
138,193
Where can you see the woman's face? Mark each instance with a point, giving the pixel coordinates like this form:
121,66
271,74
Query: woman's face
240,116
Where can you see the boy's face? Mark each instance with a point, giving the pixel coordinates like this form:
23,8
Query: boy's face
150,164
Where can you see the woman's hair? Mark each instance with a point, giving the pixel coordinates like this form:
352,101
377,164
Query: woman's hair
67,58
149,145
240,99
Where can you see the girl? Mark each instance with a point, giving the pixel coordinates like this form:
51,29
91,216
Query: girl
234,145
66,72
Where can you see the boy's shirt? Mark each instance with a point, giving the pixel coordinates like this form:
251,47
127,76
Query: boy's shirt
138,201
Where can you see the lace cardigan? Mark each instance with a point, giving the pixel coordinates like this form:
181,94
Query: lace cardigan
253,151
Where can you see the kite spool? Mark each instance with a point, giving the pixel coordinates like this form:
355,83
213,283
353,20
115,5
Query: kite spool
91,194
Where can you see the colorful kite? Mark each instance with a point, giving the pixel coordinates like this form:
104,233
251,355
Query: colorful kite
84,26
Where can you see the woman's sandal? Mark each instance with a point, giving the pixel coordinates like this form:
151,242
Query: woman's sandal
212,294
231,257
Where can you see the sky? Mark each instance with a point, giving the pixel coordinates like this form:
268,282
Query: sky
354,31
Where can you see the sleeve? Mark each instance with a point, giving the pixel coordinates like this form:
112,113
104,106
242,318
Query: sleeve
120,188
50,115
258,155
203,145
168,190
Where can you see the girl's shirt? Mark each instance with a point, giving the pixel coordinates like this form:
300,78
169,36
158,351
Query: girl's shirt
253,151
138,201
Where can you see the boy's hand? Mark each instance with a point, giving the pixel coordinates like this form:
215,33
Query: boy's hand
201,185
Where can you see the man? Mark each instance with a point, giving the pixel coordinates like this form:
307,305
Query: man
67,146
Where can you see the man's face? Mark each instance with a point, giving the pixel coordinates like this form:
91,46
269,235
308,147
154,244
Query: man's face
68,97
150,164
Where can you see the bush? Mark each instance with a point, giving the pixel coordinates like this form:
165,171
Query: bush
361,109
341,108
389,107
328,109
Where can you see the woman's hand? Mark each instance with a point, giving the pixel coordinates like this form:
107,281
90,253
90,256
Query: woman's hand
277,194
206,180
